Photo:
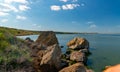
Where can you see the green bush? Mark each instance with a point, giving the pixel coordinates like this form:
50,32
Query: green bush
3,42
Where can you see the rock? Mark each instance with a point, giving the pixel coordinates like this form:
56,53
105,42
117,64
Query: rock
61,46
78,43
21,60
28,41
52,57
84,50
89,70
78,56
46,53
47,38
48,58
78,67
64,63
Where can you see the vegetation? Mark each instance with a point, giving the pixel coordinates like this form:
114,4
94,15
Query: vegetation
19,32
12,51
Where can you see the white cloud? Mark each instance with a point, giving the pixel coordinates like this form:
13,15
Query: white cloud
74,0
64,7
55,8
5,10
64,0
21,17
93,26
4,20
17,1
69,6
7,7
3,13
23,7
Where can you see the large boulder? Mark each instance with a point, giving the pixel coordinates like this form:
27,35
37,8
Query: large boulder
49,58
52,56
78,56
78,67
78,43
47,38
46,53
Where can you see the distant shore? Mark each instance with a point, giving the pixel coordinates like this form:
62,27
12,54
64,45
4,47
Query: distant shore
20,32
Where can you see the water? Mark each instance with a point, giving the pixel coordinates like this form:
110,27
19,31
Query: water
105,48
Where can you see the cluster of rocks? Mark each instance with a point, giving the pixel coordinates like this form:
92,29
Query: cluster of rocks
47,55
76,55
46,52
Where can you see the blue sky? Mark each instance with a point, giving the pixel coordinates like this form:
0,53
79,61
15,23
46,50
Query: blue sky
62,15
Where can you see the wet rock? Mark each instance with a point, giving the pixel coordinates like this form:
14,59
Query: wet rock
84,50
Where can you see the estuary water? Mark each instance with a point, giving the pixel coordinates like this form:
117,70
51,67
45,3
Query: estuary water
105,48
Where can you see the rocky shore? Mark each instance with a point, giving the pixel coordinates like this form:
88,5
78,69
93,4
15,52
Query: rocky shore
44,54
47,55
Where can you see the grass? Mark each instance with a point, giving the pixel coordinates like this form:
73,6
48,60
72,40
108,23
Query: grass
19,32
11,50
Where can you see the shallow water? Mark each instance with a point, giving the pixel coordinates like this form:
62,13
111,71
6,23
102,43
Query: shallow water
105,48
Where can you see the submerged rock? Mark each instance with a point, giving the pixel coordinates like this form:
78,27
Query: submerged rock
78,43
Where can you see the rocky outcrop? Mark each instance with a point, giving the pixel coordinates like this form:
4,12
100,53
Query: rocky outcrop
46,53
78,49
76,56
47,38
78,43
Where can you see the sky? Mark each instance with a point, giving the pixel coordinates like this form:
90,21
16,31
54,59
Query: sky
101,16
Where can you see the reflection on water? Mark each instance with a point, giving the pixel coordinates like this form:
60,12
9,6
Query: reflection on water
105,48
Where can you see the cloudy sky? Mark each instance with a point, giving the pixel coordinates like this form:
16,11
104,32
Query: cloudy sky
62,15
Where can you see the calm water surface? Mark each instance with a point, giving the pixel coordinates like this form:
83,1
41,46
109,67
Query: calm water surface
105,48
